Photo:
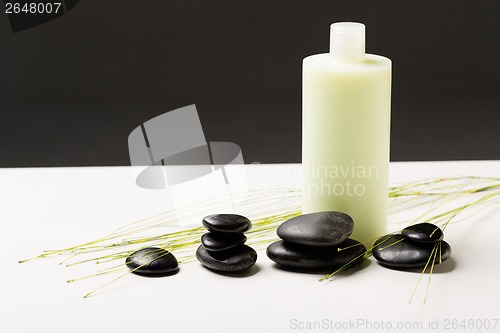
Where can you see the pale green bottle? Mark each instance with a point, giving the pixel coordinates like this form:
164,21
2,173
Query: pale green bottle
346,131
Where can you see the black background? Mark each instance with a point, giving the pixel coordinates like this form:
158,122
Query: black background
72,90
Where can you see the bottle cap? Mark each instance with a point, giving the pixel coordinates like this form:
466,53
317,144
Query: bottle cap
347,41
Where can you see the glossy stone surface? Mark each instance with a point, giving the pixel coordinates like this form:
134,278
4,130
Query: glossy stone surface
398,252
222,241
233,260
227,223
317,229
152,261
423,233
307,257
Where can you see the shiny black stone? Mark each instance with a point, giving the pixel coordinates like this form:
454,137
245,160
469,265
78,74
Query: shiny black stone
227,223
423,233
317,229
233,260
152,261
309,257
222,241
398,252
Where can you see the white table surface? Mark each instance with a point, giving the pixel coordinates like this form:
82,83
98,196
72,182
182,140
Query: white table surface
47,208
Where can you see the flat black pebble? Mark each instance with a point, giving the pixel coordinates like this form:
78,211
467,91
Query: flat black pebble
152,261
423,233
222,241
227,223
234,260
307,257
317,229
398,252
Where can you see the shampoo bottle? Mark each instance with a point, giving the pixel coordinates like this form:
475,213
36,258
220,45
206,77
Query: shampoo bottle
346,129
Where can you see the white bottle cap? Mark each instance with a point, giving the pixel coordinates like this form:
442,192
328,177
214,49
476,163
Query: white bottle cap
347,41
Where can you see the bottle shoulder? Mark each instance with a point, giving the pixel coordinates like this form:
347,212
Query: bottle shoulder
325,61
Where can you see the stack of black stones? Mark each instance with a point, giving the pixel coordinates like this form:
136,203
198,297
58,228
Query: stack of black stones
223,248
310,242
416,246
316,242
